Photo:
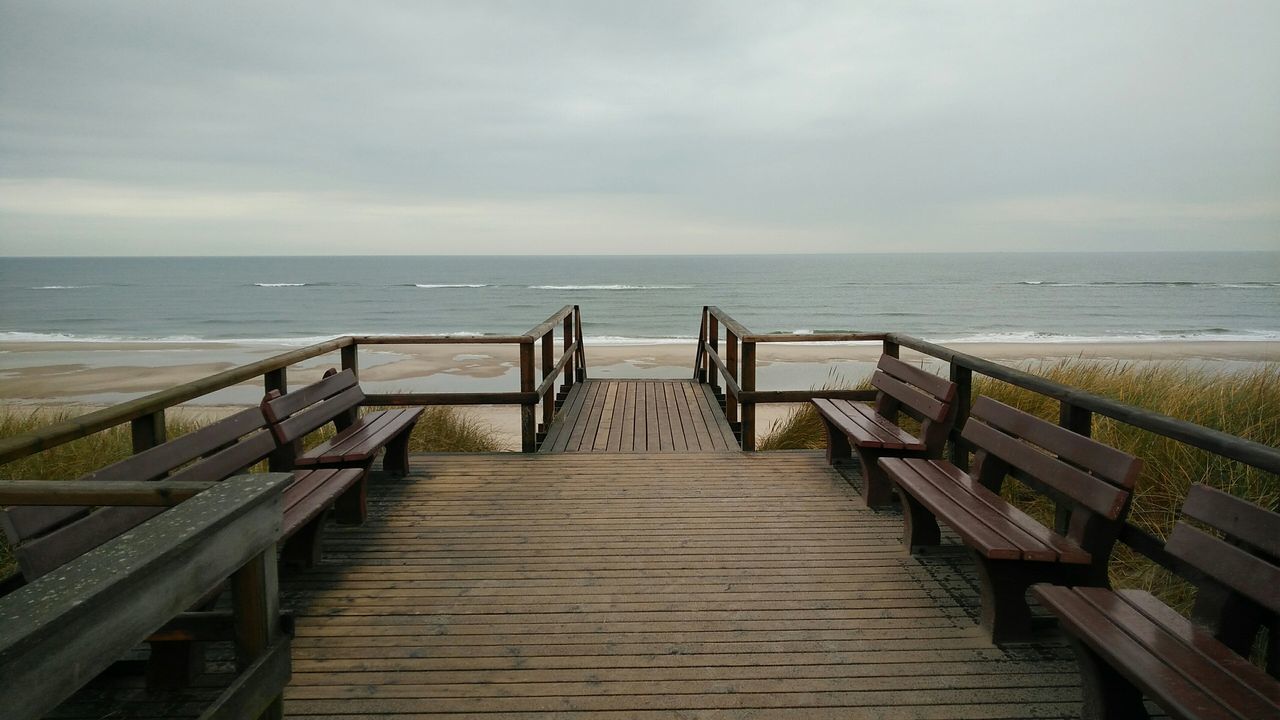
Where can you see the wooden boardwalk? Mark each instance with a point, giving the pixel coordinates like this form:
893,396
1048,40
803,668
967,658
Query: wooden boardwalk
640,416
637,586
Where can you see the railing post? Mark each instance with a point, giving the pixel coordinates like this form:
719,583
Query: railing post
731,360
1080,421
351,358
582,344
700,353
148,431
528,417
891,348
277,379
713,338
255,610
568,343
548,362
748,384
963,378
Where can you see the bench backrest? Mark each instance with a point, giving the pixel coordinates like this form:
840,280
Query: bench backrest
46,537
295,414
1241,585
1094,479
922,395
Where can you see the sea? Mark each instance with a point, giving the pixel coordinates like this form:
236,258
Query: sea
1035,297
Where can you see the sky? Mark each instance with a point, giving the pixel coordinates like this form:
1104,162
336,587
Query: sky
380,127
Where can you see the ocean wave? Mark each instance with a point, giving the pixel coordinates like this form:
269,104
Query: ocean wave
1152,283
1204,334
610,287
430,286
61,287
279,285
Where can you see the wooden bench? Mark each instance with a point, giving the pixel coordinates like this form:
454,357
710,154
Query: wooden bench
359,438
45,538
874,433
1013,550
1130,644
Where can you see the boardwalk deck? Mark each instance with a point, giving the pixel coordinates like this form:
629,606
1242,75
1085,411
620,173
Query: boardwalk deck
640,416
640,586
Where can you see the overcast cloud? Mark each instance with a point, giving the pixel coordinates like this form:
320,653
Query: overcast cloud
589,127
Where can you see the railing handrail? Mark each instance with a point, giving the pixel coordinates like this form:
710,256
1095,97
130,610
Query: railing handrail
1230,446
50,436
19,446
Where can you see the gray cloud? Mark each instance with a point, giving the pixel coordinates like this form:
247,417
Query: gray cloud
142,128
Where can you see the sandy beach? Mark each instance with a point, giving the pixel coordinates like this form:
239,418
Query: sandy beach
71,377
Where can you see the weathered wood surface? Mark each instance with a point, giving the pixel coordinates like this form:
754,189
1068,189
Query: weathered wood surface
598,585
640,416
63,628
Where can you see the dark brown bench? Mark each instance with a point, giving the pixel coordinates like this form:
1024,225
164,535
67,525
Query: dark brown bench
1012,549
359,438
1130,644
44,538
873,431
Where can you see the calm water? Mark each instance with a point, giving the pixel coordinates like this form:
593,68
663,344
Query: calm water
941,297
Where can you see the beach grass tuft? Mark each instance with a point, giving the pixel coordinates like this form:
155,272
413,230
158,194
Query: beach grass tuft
441,429
1245,403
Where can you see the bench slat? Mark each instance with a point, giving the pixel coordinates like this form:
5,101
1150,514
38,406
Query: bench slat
1119,468
1230,565
1128,656
228,462
1092,492
859,427
899,437
940,387
390,424
926,405
972,530
43,554
1237,518
316,416
1195,667
312,492
1066,550
291,402
362,440
1187,633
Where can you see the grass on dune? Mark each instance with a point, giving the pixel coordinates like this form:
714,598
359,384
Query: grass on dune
441,429
1244,403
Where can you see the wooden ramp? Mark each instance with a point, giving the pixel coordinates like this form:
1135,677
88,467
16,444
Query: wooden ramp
630,586
640,416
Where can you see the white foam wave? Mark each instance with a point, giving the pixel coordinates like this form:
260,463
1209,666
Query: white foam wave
277,285
1044,337
61,287
621,340
610,287
449,285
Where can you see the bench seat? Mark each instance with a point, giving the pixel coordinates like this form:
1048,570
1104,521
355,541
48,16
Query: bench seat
360,442
982,519
1180,666
865,427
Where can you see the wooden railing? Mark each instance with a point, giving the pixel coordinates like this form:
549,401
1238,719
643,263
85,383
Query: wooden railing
1076,407
737,369
146,415
60,631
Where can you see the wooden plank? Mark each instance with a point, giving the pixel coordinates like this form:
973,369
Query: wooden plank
627,437
574,440
679,431
653,440
558,434
939,387
81,492
1237,518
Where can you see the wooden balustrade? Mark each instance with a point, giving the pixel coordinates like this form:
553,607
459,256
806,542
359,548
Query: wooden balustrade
146,415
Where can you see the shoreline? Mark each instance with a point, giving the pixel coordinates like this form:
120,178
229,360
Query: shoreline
70,377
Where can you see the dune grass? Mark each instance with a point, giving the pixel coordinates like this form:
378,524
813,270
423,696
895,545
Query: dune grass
1244,403
441,429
